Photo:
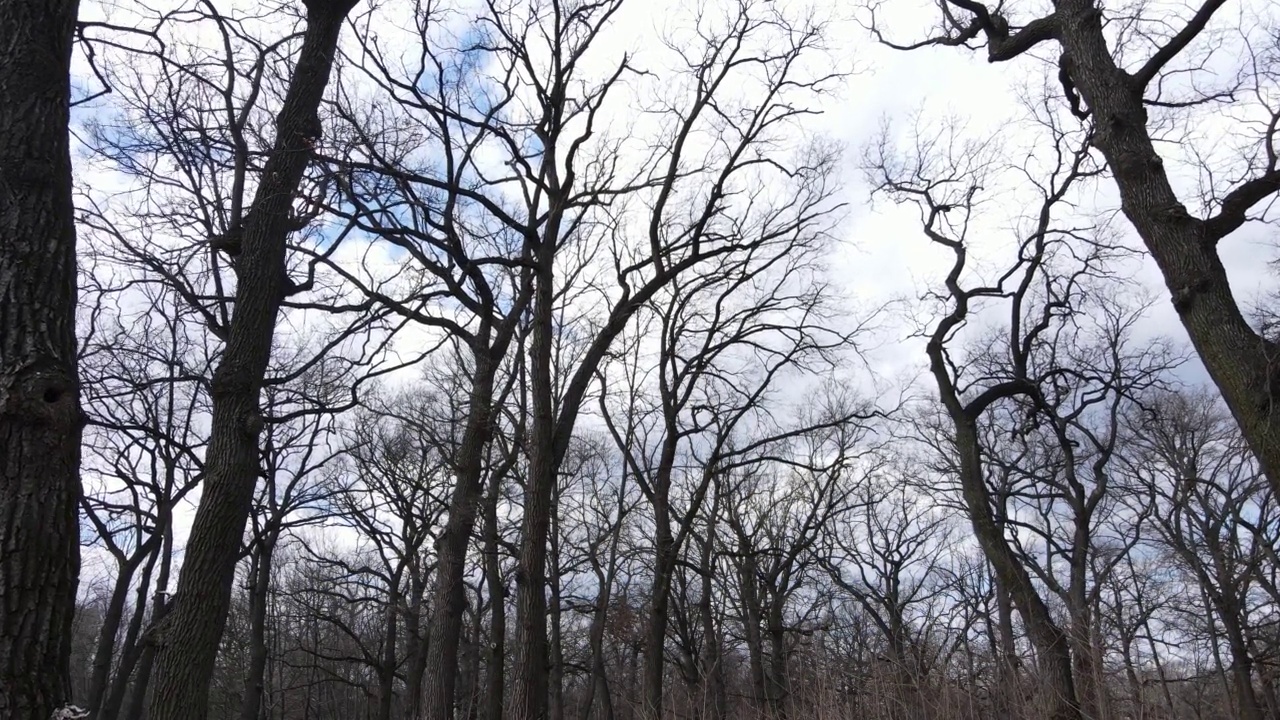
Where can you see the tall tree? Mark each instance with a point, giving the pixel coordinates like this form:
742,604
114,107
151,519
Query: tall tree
40,419
944,179
1113,101
190,634
748,196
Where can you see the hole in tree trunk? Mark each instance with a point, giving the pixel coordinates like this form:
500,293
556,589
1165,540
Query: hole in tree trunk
52,395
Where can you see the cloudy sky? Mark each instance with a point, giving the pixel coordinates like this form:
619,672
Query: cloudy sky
882,256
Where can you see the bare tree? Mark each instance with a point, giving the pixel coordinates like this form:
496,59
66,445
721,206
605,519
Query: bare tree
679,240
728,338
531,211
193,628
1109,83
631,478
778,510
1200,483
889,553
146,400
944,177
292,495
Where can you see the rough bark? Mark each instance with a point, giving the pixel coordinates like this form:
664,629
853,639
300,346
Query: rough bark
1184,247
445,630
1053,651
189,636
529,696
416,653
40,418
1240,361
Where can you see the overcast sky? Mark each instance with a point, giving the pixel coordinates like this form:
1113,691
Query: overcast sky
882,255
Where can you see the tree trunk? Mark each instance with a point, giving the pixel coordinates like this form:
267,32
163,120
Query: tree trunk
131,649
1184,247
190,635
659,597
255,674
599,684
475,659
751,619
445,631
146,649
496,658
416,653
1052,645
556,647
529,693
712,668
387,668
778,680
40,418
105,650
138,698
1247,704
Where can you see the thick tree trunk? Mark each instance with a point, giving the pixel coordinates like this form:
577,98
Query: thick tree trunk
1184,247
712,665
1247,704
1051,643
752,615
778,679
40,418
416,654
556,647
469,675
1053,652
445,630
390,639
529,693
190,634
1008,649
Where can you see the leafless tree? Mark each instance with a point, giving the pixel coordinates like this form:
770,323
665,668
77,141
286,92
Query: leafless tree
146,404
1201,485
537,197
1157,60
1026,365
253,234
888,552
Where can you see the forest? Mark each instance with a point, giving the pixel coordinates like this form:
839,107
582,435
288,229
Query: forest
587,359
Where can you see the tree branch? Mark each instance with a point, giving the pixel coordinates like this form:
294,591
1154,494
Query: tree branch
1177,43
1237,203
1001,45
